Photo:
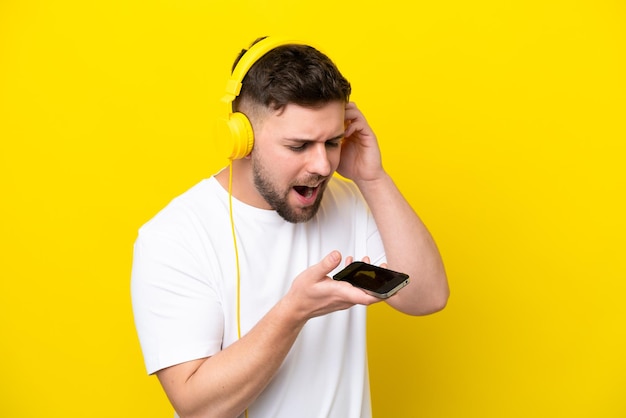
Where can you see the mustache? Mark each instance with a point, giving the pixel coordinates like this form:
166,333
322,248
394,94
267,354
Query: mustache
311,181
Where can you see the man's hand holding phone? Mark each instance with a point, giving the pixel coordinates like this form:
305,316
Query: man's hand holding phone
314,294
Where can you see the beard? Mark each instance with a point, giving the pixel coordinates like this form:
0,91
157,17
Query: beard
279,200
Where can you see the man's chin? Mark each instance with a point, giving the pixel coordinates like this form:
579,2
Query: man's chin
299,214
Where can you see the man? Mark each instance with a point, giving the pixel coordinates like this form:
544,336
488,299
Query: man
300,351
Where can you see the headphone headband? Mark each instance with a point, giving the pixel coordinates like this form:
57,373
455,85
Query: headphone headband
247,60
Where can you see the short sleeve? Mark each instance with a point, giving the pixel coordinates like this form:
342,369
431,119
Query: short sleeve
177,312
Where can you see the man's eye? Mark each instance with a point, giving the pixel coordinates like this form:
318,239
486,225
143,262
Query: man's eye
302,147
298,148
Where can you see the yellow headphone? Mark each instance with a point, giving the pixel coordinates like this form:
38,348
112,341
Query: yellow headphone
236,133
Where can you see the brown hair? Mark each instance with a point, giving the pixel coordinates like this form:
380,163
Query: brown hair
294,73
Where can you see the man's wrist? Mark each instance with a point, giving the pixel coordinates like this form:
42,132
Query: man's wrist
375,183
288,313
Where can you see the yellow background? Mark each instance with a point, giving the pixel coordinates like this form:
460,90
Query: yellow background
502,121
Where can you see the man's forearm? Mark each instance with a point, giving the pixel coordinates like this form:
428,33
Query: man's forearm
409,248
225,384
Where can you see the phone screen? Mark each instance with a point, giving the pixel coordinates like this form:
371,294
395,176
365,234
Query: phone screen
378,281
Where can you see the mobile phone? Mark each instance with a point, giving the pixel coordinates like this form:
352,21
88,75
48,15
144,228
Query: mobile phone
376,281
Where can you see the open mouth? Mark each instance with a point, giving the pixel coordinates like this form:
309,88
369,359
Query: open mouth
305,191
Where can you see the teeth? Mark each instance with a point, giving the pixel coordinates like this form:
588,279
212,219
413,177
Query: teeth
305,191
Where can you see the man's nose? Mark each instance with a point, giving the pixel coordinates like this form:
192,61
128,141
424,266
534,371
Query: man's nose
318,162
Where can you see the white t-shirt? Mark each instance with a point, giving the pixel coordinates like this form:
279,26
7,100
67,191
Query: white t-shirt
184,293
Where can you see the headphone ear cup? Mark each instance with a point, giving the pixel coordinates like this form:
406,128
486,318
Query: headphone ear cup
241,135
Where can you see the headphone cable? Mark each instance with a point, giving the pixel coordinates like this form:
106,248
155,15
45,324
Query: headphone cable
232,227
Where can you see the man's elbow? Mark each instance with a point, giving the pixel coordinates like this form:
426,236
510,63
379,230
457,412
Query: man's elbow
440,301
435,302
440,294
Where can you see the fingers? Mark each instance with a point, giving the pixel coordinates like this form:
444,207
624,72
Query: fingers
352,111
356,122
361,297
351,116
350,259
329,263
